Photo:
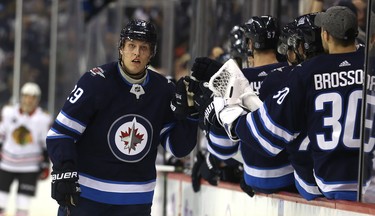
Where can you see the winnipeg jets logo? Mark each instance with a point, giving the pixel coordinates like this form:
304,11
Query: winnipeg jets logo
130,138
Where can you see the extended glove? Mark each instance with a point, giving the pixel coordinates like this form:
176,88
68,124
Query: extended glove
204,67
203,103
206,167
44,166
246,188
182,103
210,169
65,187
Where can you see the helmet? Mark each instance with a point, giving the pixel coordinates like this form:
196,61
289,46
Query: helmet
286,32
263,31
139,30
31,88
238,45
307,35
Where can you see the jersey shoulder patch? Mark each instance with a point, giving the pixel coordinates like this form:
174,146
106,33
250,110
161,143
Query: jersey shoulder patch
97,71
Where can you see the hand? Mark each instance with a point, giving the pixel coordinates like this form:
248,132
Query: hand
182,103
205,167
210,169
203,103
227,116
246,188
65,187
44,171
195,172
44,166
204,67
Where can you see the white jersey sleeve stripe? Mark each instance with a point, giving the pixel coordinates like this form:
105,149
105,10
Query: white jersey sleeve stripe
265,143
52,134
165,129
221,141
68,122
218,155
273,128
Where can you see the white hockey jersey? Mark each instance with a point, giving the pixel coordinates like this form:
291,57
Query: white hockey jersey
23,138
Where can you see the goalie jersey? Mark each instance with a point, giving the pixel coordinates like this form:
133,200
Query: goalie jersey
322,98
111,129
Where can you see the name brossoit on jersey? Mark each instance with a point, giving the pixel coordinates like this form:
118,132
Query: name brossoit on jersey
338,79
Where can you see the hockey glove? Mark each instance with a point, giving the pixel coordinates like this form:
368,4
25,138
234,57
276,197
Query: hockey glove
44,166
203,103
210,170
195,172
246,188
204,67
65,187
182,103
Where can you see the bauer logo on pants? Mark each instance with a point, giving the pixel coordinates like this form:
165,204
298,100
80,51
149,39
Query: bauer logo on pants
129,138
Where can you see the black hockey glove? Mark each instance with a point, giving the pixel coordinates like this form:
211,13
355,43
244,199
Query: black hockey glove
65,188
203,102
204,67
206,167
210,169
182,104
195,172
246,188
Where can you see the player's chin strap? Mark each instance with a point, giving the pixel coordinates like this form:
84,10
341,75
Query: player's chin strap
233,96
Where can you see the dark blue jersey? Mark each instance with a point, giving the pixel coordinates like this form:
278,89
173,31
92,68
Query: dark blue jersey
298,151
274,81
256,75
263,173
111,129
323,98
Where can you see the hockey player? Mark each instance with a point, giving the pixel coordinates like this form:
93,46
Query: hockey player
238,46
262,33
24,158
322,98
103,143
264,174
303,41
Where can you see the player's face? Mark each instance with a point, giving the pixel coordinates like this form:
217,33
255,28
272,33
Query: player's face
291,56
135,56
29,103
